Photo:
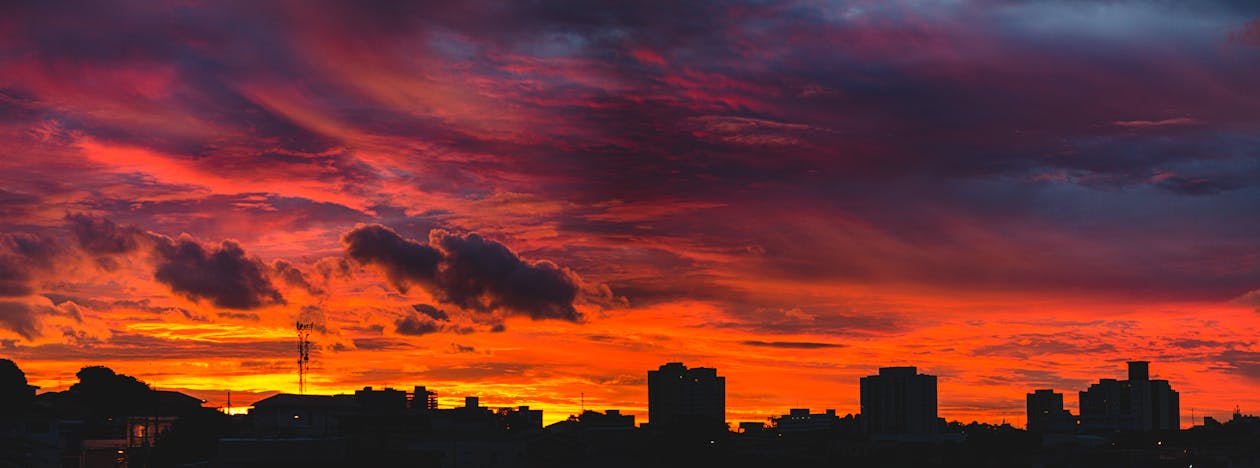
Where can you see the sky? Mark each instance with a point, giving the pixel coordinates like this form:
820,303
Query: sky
538,202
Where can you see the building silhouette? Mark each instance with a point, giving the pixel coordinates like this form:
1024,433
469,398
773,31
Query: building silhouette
609,418
1046,413
801,420
676,393
1136,404
899,400
376,427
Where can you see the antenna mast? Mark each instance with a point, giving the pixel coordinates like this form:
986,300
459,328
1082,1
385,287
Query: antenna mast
304,353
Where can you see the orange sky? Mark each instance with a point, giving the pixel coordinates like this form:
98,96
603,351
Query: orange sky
531,206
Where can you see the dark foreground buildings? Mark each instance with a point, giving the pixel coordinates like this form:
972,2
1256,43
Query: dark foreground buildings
1136,404
110,420
380,427
899,400
1046,413
677,394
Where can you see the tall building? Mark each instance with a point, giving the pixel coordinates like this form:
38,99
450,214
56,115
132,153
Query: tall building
677,393
899,401
1136,404
1046,413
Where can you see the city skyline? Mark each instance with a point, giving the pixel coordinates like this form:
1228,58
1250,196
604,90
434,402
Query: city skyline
110,419
698,394
540,201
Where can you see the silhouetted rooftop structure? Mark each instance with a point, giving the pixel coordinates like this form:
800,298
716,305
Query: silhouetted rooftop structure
384,401
289,415
609,418
801,420
899,400
422,398
520,419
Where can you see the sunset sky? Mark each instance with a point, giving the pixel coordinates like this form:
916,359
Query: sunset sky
535,203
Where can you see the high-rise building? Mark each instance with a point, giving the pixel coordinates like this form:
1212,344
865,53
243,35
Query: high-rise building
1046,413
899,401
677,393
1136,404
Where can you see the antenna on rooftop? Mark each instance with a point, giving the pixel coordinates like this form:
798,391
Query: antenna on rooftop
304,353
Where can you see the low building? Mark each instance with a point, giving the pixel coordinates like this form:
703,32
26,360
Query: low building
801,420
288,415
1046,413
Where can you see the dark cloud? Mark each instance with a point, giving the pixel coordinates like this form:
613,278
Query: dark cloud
134,347
405,261
1031,345
469,271
141,305
1193,343
14,278
1241,362
34,248
333,267
374,329
22,256
791,344
1206,185
379,344
482,274
101,236
246,316
416,325
20,318
222,275
292,276
433,312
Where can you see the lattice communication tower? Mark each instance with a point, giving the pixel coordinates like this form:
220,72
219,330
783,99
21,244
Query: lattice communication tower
304,353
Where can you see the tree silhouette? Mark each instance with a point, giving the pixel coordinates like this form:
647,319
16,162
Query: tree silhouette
14,391
102,392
